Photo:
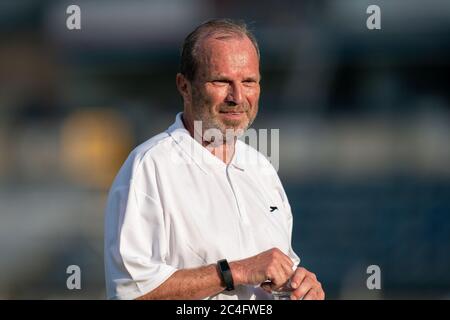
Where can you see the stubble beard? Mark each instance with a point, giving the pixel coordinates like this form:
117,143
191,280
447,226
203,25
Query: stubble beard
230,129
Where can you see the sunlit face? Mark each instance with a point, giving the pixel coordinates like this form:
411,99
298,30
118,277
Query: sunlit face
225,90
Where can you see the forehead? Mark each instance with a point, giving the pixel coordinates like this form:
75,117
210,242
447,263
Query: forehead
227,55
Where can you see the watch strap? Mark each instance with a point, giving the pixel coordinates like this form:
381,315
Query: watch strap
225,273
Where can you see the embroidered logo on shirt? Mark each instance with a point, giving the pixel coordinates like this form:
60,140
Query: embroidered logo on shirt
272,209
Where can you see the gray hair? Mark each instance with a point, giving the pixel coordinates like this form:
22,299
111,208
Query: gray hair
226,27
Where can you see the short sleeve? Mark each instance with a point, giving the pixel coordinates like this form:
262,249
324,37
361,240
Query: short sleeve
135,244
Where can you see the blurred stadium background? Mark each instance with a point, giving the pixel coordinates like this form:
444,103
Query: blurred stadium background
364,120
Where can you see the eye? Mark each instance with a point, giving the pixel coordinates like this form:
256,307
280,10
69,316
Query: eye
220,81
249,82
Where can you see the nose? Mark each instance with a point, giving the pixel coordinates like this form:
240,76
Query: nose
234,93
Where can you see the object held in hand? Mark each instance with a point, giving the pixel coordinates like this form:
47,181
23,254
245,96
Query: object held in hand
283,293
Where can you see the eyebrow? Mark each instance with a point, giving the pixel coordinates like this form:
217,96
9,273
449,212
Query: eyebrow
251,79
224,78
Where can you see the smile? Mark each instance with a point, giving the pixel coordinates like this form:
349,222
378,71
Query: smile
233,115
232,111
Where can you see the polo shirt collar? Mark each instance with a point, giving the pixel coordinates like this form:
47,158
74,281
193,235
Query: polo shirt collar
199,154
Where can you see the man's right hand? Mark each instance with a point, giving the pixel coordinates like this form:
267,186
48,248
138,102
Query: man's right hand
272,265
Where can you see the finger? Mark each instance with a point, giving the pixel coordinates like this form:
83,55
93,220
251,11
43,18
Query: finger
281,270
286,273
288,261
276,277
298,277
312,294
287,269
283,258
266,286
277,283
322,294
315,294
306,285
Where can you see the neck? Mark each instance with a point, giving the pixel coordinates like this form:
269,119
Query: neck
224,151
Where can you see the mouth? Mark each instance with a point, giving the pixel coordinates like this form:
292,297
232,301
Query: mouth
232,115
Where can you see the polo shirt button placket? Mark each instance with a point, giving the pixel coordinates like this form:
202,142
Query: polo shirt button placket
240,204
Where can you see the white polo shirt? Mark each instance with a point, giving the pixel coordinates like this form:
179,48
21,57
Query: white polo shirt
174,205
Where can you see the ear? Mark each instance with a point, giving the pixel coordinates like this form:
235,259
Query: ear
183,86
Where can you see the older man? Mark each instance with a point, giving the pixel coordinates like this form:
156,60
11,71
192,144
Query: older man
188,216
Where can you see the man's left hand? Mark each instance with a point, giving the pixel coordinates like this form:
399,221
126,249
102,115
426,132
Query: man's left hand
306,286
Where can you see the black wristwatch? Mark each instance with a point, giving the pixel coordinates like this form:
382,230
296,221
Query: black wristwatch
225,273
